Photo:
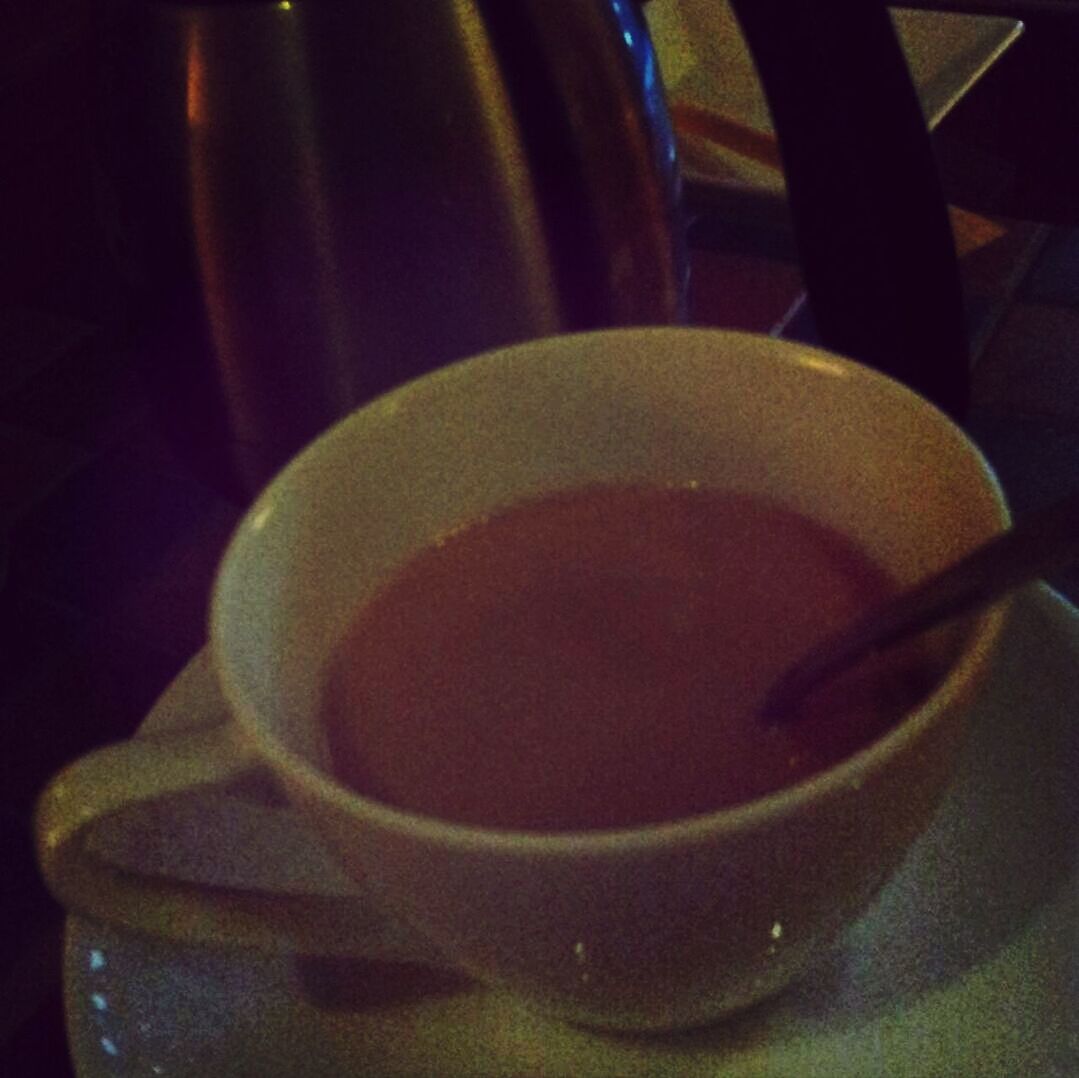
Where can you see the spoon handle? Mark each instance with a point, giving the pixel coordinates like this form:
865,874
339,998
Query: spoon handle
1039,543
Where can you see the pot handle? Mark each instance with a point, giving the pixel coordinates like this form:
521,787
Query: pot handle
870,221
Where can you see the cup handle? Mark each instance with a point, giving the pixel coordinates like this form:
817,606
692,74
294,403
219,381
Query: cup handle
116,780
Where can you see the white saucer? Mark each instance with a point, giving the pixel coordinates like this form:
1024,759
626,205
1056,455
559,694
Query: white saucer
967,965
706,65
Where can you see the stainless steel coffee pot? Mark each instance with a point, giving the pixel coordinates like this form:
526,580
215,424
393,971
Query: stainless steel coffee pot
314,200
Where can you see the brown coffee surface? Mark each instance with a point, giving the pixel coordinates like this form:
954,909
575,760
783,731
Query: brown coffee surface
596,658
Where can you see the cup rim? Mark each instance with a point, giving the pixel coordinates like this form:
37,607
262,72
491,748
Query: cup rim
849,773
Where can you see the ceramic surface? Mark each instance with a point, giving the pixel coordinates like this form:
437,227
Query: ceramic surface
706,66
659,927
966,964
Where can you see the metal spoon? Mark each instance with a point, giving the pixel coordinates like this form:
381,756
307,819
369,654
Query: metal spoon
1038,544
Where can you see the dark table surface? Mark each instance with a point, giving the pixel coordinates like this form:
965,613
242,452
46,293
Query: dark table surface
108,542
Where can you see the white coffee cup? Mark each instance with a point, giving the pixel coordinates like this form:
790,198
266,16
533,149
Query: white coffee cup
653,927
